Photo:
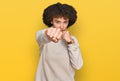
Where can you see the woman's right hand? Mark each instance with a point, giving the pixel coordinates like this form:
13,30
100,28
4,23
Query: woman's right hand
54,34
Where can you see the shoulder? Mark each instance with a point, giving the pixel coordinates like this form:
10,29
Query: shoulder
42,30
38,32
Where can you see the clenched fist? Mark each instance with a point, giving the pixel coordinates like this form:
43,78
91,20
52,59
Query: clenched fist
67,37
54,34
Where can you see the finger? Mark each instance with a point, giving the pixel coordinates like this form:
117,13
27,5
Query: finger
64,32
67,32
66,35
59,36
53,31
55,39
48,31
57,33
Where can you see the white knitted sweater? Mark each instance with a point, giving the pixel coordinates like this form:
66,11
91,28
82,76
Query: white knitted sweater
57,60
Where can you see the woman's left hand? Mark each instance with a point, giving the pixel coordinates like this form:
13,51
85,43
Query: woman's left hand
67,37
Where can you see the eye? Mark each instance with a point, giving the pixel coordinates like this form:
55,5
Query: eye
57,21
66,22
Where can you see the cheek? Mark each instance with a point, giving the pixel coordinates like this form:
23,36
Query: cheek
56,25
65,26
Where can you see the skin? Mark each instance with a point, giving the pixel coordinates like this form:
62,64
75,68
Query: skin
58,30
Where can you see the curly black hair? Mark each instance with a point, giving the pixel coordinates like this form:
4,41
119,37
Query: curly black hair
59,10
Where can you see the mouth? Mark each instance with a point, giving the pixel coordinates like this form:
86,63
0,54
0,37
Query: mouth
62,29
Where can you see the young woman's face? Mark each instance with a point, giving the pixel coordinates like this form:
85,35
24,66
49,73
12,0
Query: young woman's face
61,23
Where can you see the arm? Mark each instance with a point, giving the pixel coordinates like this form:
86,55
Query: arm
75,54
41,37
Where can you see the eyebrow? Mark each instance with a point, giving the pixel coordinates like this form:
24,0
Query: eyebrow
59,20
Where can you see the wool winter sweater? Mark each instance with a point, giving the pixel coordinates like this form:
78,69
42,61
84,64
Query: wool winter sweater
58,61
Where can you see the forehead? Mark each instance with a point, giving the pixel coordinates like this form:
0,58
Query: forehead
60,19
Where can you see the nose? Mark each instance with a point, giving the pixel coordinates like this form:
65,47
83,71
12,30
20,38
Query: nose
61,26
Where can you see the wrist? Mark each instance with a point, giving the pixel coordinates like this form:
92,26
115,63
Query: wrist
70,42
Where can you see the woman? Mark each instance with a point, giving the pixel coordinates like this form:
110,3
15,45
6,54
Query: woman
60,53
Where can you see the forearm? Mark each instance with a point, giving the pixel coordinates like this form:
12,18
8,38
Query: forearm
41,37
75,55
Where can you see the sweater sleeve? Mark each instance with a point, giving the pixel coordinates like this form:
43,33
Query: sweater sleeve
41,37
75,54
